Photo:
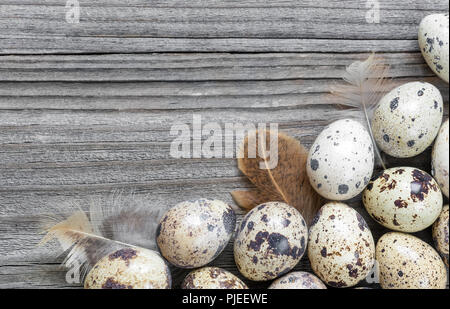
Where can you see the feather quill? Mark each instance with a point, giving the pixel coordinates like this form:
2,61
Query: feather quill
366,82
287,182
114,223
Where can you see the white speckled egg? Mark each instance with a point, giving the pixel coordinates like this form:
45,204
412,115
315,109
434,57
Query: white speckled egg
130,268
341,160
433,42
407,119
298,280
341,248
212,278
440,234
406,262
403,199
270,241
439,161
194,233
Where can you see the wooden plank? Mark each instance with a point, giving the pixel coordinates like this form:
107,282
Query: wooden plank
209,23
185,81
337,4
286,26
80,45
196,67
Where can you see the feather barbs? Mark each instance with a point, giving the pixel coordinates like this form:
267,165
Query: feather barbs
122,221
366,82
286,182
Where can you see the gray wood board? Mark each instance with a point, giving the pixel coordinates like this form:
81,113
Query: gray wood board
196,26
78,126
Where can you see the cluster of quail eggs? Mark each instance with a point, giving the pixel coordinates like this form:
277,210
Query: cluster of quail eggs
273,237
404,199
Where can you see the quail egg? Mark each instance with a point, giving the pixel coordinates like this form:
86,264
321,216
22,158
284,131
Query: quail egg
194,233
298,280
406,262
440,158
270,241
341,160
212,278
341,248
440,234
433,42
403,199
129,268
407,119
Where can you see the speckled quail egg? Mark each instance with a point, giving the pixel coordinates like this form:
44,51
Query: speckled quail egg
403,199
407,119
129,268
341,160
440,159
299,280
406,262
194,233
440,234
433,42
341,248
270,241
212,278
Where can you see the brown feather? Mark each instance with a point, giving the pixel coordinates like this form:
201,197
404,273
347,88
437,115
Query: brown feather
287,182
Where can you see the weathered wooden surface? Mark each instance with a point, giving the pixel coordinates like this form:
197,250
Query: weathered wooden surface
78,120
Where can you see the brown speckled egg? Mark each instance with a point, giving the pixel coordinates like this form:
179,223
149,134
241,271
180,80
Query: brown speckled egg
406,262
434,43
440,158
212,278
270,241
403,199
194,233
129,268
341,248
341,160
407,119
298,280
440,234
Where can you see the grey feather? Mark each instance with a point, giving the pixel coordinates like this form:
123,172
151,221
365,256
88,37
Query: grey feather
365,84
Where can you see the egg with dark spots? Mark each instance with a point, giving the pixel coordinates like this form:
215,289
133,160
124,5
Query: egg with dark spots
341,248
212,278
406,262
440,234
440,158
273,244
341,160
298,280
130,268
403,199
194,233
407,119
433,42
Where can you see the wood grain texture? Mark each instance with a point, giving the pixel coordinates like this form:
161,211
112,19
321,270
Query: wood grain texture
247,26
87,108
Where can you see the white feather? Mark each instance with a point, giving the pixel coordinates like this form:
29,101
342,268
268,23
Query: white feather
366,82
117,221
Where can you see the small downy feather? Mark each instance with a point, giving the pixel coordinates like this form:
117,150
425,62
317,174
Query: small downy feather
114,223
287,182
366,82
